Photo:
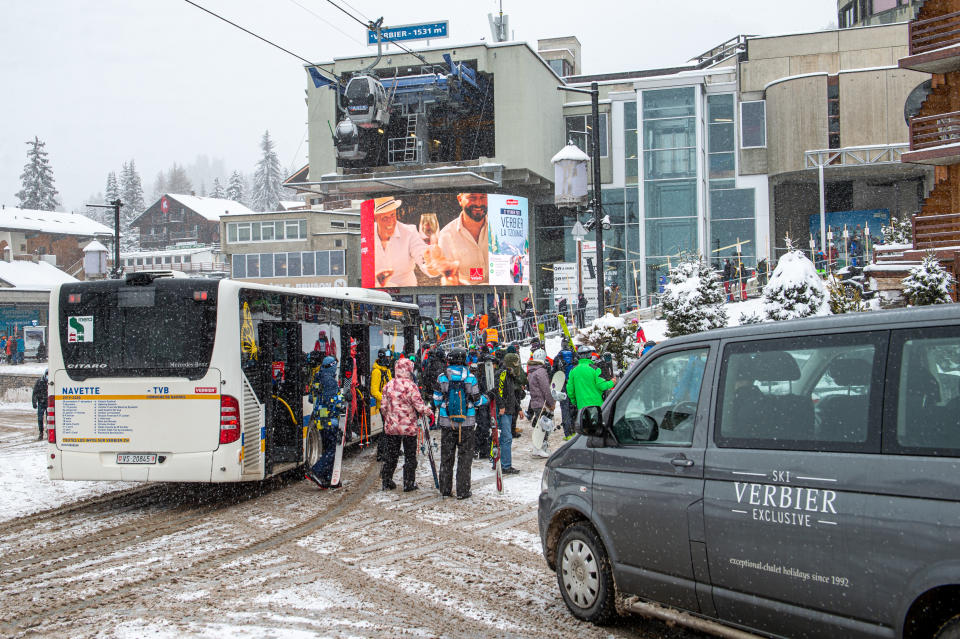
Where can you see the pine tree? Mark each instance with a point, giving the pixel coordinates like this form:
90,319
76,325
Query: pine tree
159,186
218,191
177,180
693,298
844,299
112,192
795,289
900,231
131,194
236,189
267,180
609,334
928,283
37,192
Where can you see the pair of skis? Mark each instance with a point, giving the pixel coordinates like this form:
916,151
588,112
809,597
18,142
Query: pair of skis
427,446
494,425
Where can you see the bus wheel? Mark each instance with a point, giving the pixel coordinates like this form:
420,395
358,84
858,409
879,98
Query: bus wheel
314,446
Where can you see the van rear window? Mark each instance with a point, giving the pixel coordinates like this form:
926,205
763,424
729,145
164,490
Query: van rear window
805,393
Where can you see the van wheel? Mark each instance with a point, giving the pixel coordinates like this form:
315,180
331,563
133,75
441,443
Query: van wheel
949,630
584,576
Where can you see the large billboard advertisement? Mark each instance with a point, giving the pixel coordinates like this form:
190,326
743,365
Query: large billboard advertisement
444,239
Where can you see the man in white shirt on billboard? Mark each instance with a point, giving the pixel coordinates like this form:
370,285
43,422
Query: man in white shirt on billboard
465,239
398,248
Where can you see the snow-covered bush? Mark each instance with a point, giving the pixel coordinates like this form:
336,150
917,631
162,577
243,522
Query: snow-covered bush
928,283
693,299
844,298
900,231
795,289
609,334
750,318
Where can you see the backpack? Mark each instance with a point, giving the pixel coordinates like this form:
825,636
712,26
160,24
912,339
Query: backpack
457,403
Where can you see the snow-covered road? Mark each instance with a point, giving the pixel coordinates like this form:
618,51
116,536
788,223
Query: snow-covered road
280,559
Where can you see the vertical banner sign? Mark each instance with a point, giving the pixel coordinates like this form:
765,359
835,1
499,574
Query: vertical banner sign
565,283
509,244
367,240
588,270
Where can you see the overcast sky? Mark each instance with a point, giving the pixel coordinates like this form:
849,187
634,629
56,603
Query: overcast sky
160,81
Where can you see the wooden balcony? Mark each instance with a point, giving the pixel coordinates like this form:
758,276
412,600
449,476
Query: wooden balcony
934,139
934,44
936,231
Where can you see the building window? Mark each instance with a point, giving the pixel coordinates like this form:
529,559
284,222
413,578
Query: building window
753,124
266,265
632,162
353,225
833,111
336,263
563,68
253,265
336,224
240,267
309,263
338,243
578,126
266,231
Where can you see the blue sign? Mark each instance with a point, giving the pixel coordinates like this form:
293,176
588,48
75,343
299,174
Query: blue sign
855,223
425,31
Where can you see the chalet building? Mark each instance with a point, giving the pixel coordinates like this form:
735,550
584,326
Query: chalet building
177,219
56,238
934,47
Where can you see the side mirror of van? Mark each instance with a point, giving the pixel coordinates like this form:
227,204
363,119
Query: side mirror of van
590,422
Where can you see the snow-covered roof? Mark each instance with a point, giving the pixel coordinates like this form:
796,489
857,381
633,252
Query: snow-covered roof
570,152
210,208
13,219
191,250
94,246
286,205
32,276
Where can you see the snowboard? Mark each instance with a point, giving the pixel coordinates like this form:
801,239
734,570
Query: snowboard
338,454
557,385
427,445
563,326
495,445
541,329
538,434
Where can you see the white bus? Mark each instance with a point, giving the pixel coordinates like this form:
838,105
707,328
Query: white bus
158,378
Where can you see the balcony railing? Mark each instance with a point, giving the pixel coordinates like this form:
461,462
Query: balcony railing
934,33
935,130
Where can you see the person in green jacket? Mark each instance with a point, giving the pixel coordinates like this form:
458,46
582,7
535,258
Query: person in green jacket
585,387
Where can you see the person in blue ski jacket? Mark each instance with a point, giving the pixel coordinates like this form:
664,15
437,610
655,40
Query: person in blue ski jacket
327,404
457,395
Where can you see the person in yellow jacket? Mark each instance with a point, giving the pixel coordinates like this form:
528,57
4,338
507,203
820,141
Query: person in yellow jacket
378,380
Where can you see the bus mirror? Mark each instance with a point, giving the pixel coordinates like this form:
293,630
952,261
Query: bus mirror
590,422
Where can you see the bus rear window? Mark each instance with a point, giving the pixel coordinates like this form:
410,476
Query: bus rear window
124,331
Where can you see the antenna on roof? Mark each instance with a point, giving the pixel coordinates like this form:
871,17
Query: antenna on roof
499,25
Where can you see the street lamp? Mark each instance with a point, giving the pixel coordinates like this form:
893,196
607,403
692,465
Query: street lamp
594,93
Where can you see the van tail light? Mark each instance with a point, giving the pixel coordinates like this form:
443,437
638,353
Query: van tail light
229,419
51,421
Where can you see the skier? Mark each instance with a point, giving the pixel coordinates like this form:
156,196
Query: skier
542,403
581,310
434,367
565,360
378,379
325,397
457,397
483,416
510,381
40,400
401,404
585,387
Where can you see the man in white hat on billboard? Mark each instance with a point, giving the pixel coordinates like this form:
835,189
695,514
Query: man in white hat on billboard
399,248
466,239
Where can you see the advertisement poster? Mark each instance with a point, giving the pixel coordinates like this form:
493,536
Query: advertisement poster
444,239
565,283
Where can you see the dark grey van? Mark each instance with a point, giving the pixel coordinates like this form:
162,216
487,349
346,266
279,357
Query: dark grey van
793,479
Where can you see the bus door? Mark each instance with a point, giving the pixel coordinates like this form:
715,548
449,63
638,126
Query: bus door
356,335
280,347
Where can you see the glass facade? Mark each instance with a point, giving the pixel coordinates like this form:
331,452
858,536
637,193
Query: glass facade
669,178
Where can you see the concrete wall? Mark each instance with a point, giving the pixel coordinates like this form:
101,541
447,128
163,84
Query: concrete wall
796,121
871,106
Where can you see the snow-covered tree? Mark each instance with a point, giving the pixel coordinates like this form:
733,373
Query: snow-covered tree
177,180
844,298
159,185
37,192
112,192
609,334
928,283
693,298
131,194
900,231
268,178
237,188
217,191
795,289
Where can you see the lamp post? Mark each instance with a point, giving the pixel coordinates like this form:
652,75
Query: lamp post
115,205
594,93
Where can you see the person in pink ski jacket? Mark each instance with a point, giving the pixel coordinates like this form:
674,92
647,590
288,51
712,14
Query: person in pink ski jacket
401,405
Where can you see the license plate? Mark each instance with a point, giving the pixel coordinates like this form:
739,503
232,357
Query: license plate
126,458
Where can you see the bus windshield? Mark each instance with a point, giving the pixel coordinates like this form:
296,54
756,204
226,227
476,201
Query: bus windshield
109,329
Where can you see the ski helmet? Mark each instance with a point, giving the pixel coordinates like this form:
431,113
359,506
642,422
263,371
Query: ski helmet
383,357
539,355
329,361
584,350
457,357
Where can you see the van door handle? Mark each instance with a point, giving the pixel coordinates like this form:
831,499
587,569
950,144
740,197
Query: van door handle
682,461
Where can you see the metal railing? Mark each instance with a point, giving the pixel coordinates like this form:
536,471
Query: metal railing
934,33
934,130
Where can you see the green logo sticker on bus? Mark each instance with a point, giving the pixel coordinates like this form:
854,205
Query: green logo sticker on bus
79,328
